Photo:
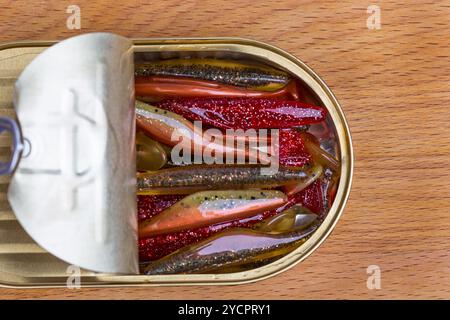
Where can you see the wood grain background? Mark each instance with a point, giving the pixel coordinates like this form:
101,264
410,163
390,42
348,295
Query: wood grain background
393,84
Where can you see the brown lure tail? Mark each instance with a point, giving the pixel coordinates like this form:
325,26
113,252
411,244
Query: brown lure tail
318,154
292,219
150,155
293,188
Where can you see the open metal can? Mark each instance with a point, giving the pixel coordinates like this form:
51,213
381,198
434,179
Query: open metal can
24,262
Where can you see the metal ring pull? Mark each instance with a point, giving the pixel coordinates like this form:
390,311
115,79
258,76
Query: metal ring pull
11,126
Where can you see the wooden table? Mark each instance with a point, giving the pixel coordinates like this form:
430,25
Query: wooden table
393,84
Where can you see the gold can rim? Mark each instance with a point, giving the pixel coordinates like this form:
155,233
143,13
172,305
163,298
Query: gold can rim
315,83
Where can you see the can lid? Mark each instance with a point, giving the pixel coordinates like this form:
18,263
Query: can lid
74,188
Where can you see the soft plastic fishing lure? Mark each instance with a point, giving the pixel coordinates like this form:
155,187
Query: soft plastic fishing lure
248,75
292,219
160,124
318,154
163,87
172,129
295,187
193,178
150,154
229,248
211,207
155,247
239,113
298,148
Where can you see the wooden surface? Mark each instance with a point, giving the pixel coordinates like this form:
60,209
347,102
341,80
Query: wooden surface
393,84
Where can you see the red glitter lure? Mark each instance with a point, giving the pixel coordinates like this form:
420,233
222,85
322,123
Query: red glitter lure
245,113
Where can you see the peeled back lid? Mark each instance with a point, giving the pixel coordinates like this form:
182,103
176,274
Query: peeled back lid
74,188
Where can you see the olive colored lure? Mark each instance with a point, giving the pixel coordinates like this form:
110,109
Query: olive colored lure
293,188
252,76
150,154
211,207
320,155
193,178
292,219
227,249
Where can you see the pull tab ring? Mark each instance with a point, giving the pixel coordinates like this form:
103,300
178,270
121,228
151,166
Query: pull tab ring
11,126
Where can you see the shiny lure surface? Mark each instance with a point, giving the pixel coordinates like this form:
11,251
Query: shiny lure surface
194,178
227,249
230,72
292,219
318,154
242,113
164,87
150,155
156,247
298,186
172,129
160,124
211,207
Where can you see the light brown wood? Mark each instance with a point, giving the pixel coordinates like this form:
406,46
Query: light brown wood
393,84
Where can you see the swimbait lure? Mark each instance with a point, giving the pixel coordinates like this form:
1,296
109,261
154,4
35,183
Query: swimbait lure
165,126
156,247
193,178
160,124
211,207
150,154
292,219
241,113
228,72
164,87
229,248
295,187
318,154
